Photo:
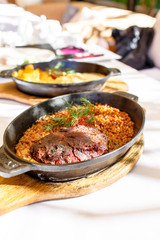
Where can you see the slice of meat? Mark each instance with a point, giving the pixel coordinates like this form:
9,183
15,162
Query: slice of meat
69,145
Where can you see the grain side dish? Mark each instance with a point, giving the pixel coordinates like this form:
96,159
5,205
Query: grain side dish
98,123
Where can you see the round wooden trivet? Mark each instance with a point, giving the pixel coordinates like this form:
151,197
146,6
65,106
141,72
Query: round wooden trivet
22,190
9,91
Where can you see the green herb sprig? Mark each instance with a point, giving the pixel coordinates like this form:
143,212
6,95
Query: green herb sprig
58,70
79,114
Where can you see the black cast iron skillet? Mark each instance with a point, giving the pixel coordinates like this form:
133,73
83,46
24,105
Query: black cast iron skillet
11,164
51,89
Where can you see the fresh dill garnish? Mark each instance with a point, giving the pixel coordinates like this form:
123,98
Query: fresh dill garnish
49,127
78,114
60,121
58,65
58,70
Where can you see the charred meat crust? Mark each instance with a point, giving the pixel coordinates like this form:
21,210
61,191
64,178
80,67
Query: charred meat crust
69,145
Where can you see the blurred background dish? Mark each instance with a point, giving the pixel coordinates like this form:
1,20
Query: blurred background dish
51,89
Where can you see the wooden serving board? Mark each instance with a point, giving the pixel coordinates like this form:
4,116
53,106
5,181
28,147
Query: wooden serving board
9,91
23,190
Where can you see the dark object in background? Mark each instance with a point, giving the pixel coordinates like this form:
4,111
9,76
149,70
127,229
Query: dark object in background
132,45
131,5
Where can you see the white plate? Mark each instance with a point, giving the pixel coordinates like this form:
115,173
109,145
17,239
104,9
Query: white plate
11,57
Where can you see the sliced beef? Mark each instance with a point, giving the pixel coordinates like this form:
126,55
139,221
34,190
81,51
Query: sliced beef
69,145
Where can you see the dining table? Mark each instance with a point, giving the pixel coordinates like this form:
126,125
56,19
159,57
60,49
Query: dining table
126,209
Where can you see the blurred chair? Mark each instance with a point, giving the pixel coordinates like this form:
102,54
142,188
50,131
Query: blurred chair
51,9
131,4
145,6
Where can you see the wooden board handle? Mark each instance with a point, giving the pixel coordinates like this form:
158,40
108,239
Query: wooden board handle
22,190
9,91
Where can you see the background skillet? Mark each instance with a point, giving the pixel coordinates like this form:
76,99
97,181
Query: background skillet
52,90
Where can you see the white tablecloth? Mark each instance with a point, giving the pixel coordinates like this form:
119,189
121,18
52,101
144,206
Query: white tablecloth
128,209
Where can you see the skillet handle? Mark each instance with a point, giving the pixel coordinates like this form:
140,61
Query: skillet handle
114,71
127,95
6,73
10,167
